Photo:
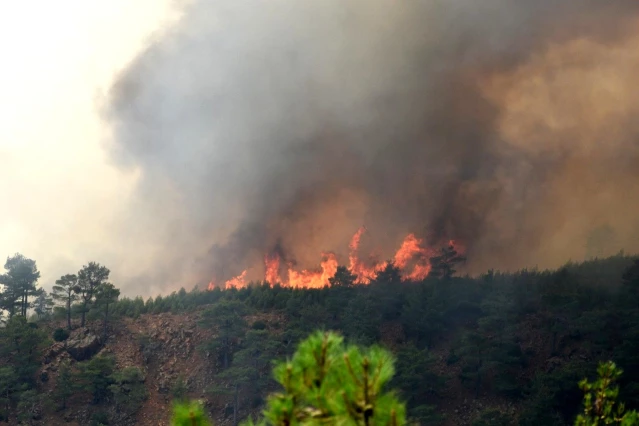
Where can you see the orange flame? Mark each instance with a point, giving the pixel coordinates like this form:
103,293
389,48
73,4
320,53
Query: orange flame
237,282
364,273
311,279
272,268
412,258
412,250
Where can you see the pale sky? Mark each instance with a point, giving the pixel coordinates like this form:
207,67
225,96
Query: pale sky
59,189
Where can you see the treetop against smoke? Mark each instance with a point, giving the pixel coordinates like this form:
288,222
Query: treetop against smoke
506,125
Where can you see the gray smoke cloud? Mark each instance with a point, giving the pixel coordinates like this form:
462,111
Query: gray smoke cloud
287,124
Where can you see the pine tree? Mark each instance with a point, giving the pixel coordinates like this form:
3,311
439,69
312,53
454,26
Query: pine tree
342,278
330,383
90,277
189,414
64,385
65,290
444,264
20,283
105,295
600,400
227,317
43,304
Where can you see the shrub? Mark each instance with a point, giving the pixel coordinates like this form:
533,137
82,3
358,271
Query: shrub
259,325
60,335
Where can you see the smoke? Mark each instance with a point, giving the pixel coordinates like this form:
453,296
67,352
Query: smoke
287,124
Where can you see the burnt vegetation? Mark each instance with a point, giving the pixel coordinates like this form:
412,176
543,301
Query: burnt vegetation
499,348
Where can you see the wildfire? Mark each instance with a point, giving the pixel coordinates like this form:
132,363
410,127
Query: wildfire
272,268
310,279
412,251
412,258
364,273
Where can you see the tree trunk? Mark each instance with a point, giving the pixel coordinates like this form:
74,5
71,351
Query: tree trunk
69,313
235,407
106,318
84,308
23,308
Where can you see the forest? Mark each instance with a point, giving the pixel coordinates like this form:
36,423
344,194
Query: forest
501,348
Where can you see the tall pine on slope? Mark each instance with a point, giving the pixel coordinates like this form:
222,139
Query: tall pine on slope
65,290
90,277
19,284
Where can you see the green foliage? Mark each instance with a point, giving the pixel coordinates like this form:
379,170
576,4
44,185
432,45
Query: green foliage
43,304
105,295
326,381
227,318
128,390
100,418
600,400
418,383
95,376
553,397
90,277
65,290
60,335
189,414
65,387
30,405
20,347
179,390
20,284
9,385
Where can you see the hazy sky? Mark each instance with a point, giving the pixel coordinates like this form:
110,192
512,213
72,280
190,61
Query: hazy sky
59,191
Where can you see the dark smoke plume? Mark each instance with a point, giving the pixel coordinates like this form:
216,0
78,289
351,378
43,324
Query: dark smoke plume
285,125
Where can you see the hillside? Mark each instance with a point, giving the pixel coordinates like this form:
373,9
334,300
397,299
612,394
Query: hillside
506,347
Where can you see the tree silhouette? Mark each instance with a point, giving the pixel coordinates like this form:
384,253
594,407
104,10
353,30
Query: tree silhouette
444,264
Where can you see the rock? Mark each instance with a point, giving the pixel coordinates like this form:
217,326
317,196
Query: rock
83,346
55,350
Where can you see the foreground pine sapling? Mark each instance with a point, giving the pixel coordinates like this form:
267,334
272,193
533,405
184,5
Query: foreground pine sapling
327,382
189,414
600,401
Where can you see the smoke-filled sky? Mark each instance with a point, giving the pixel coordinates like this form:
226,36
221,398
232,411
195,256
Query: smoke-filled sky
249,126
60,192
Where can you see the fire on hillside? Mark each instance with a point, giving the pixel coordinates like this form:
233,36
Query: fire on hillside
413,259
